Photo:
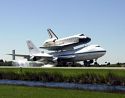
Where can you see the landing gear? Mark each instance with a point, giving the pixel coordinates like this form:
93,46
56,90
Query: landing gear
95,63
88,62
64,63
60,63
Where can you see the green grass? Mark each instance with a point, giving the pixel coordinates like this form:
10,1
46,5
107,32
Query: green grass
9,91
100,76
66,72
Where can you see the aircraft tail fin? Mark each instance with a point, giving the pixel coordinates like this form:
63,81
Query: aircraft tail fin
32,48
51,34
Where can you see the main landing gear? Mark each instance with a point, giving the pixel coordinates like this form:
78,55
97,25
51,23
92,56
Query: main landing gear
64,63
89,62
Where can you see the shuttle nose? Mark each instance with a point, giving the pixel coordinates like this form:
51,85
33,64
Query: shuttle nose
84,40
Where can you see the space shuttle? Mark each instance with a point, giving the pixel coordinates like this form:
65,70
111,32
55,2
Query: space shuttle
54,43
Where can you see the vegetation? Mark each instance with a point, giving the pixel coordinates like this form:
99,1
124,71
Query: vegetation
92,76
5,63
8,91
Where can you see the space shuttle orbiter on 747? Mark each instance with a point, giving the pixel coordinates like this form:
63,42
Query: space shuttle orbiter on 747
55,43
88,54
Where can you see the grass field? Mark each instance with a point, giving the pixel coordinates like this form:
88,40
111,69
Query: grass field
89,76
9,91
66,72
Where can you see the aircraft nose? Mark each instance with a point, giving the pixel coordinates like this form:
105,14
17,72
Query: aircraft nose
103,51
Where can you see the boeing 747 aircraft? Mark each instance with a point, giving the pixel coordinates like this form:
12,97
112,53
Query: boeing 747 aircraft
87,54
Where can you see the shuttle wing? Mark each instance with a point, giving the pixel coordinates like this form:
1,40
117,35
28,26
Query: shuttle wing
61,47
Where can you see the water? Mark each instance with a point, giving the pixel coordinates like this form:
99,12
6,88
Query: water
102,87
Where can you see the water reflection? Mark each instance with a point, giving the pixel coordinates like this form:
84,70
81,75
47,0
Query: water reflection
102,87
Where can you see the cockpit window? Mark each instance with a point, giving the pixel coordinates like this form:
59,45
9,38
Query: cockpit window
81,35
97,46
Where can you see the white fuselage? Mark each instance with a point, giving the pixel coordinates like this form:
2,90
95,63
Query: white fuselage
90,52
85,53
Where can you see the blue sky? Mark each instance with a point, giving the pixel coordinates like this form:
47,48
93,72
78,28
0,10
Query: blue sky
102,20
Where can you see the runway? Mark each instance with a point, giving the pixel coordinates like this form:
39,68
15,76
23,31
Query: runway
120,68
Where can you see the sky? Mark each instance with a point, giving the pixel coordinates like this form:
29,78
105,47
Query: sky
102,20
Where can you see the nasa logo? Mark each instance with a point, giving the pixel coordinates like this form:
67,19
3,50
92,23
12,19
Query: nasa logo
30,46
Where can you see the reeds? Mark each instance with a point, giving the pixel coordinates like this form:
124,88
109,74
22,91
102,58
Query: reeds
85,78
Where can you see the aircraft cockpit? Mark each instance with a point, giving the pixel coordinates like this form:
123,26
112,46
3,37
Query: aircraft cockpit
81,35
97,46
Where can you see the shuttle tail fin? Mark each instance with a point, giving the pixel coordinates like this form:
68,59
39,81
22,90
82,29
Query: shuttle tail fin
32,48
51,34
